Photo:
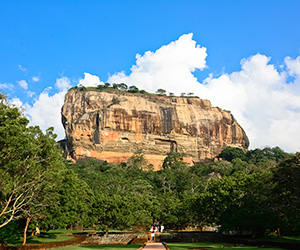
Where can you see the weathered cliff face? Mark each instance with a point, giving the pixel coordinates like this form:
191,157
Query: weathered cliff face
113,125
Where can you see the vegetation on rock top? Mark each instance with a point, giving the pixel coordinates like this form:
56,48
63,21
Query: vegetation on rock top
122,87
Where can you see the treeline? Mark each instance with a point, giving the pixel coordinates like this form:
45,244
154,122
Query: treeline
130,89
255,192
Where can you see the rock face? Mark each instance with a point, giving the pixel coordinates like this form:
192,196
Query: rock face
112,125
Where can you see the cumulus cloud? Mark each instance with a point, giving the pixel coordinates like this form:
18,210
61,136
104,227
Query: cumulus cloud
23,84
261,100
63,83
45,112
170,67
293,69
46,109
17,102
293,66
90,80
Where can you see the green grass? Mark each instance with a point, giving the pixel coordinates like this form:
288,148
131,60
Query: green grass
42,238
48,236
292,239
186,246
110,247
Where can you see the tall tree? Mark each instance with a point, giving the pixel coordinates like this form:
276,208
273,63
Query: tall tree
286,194
27,159
75,199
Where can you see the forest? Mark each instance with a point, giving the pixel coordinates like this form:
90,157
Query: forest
254,192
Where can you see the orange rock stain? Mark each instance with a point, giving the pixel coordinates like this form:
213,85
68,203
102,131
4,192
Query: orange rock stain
108,136
117,157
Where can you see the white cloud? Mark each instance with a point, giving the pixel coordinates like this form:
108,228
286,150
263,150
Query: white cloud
293,66
22,68
8,86
293,69
17,102
23,84
170,67
35,78
45,112
263,103
30,93
63,83
90,80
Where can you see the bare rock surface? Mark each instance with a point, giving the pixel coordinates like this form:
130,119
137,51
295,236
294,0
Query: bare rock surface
113,125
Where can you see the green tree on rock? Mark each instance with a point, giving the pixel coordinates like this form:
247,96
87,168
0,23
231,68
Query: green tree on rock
161,92
133,89
106,85
122,86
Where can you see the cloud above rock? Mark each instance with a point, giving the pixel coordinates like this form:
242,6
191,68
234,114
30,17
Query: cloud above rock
63,83
90,80
170,67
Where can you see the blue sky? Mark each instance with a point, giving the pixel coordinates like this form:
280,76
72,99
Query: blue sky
47,46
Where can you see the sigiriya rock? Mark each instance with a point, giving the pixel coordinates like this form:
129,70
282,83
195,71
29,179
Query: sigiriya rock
113,125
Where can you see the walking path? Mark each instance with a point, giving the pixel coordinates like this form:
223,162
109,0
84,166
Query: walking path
154,246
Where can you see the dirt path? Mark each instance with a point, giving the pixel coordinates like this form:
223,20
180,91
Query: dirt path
154,246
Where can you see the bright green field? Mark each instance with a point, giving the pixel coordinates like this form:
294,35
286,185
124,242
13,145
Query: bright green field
128,247
186,246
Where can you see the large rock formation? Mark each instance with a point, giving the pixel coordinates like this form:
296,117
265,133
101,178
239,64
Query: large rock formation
112,125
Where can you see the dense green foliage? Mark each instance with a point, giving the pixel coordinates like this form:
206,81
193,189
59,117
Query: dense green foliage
179,195
256,192
33,175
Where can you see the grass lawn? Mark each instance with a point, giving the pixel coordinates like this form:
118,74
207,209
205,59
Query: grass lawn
48,236
293,239
186,246
43,237
111,247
